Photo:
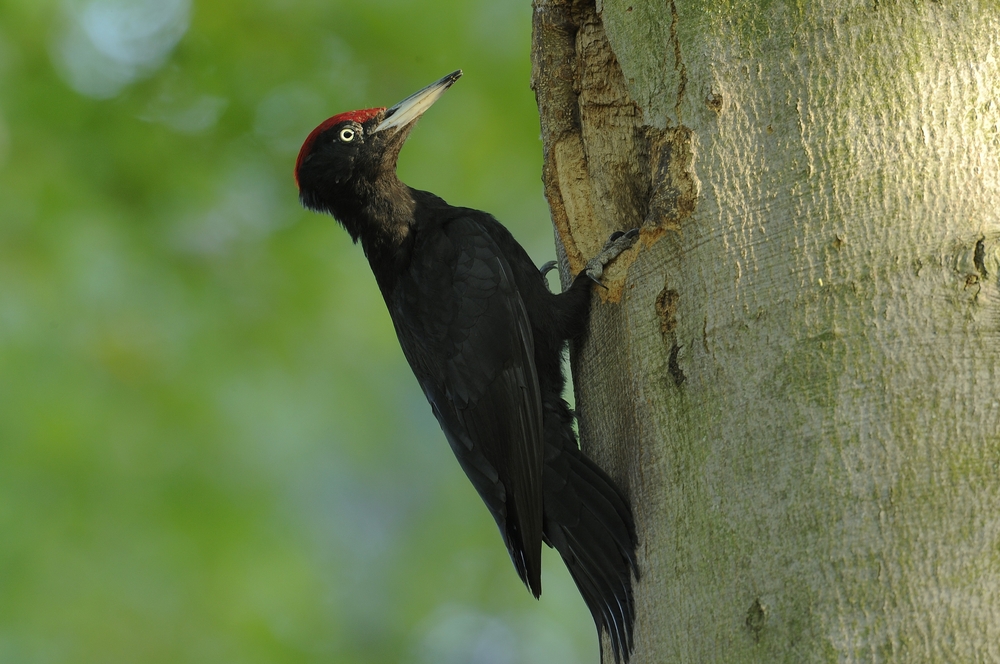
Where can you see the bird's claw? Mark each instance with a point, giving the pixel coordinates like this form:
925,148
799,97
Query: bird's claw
596,280
616,244
547,267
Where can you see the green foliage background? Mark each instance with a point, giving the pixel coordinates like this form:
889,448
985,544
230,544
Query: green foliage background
211,449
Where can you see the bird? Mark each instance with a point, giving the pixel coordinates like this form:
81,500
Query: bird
485,338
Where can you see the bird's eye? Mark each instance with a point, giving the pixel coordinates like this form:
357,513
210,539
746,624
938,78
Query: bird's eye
347,134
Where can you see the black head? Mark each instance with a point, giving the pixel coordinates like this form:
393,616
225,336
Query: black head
350,159
338,155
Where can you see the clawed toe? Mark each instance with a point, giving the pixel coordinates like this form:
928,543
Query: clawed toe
596,280
616,244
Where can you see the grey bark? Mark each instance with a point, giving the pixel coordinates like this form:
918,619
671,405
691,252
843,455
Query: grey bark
795,374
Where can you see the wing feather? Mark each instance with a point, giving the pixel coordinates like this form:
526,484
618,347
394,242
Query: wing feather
465,330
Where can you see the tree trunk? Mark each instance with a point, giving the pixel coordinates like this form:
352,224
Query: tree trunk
795,374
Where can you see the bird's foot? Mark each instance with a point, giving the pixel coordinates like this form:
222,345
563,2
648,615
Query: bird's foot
616,244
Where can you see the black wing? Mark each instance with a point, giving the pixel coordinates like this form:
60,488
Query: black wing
464,329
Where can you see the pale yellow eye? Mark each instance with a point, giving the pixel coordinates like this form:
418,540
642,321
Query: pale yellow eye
347,134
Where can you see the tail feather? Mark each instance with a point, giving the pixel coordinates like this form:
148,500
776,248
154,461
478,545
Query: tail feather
588,520
607,497
613,601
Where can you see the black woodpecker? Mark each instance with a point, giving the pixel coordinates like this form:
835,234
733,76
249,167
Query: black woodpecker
485,338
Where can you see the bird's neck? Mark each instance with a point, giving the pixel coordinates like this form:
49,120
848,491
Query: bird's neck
379,215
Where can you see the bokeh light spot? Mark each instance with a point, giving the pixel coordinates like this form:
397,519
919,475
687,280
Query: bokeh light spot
111,43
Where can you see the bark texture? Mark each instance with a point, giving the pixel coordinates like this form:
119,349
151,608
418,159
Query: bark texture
796,373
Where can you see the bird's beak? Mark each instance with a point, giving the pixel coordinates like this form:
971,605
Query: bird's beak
414,106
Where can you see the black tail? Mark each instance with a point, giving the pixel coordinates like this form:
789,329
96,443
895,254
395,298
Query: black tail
589,522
